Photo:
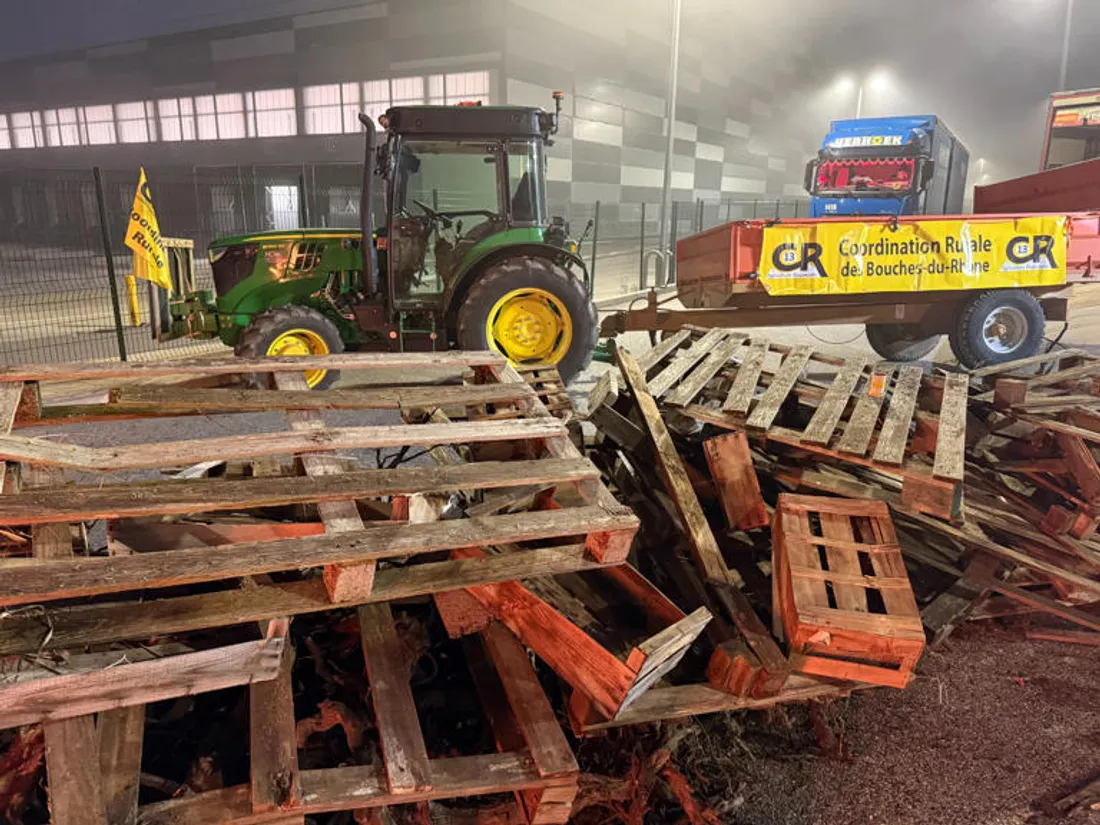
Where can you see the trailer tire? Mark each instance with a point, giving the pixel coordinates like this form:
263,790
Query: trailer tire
896,342
531,310
996,326
290,330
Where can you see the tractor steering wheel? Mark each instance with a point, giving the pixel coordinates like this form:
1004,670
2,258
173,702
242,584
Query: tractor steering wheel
435,216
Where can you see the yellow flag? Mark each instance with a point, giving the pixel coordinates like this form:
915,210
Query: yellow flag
143,236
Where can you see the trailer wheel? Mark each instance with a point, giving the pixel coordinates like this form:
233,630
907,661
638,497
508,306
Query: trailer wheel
531,311
900,342
291,330
996,326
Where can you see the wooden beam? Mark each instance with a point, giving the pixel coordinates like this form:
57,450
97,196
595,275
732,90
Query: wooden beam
861,425
894,435
823,424
685,360
21,582
404,361
272,740
951,434
69,504
534,717
1082,465
64,697
741,394
1038,601
1076,637
121,733
403,749
72,770
693,385
730,461
172,453
650,359
79,625
569,651
767,407
775,665
1021,363
353,787
704,546
374,398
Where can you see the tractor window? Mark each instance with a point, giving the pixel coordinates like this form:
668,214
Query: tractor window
524,175
446,197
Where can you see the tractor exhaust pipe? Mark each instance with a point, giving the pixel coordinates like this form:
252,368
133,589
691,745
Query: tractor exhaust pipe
366,213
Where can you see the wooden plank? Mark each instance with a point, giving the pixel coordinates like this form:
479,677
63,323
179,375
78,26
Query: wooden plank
1082,465
843,562
737,607
605,391
121,733
861,426
533,714
748,374
374,398
1076,637
403,749
354,787
171,453
684,361
1021,363
79,625
712,364
730,461
894,434
69,504
823,424
9,403
658,655
1085,370
650,359
767,407
272,740
566,649
1038,601
703,544
50,580
67,696
404,361
72,770
951,433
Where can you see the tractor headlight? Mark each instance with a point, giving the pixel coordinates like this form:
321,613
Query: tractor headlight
571,246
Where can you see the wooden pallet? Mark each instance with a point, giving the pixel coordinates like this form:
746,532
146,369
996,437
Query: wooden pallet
841,591
864,414
350,525
550,388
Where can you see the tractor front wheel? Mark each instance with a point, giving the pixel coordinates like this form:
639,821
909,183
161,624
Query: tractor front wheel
531,311
291,330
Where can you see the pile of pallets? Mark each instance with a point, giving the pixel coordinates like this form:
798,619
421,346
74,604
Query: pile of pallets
202,574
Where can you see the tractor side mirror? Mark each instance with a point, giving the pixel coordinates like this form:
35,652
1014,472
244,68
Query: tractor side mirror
809,175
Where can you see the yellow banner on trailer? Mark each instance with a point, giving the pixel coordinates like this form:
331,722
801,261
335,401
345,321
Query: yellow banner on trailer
846,257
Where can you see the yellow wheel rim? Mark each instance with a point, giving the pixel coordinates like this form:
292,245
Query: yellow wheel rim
301,342
530,326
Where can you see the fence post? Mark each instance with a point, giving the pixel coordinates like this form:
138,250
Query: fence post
595,245
777,208
641,250
699,216
105,235
303,201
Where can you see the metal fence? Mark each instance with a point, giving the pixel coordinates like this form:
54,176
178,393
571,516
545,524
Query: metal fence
61,233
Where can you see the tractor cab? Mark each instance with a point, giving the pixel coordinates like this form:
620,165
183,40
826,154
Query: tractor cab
467,255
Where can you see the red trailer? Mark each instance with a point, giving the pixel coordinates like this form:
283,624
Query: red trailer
990,282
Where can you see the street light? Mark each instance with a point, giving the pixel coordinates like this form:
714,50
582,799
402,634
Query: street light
877,81
1065,47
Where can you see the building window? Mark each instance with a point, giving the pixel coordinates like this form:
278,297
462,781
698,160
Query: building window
272,113
206,120
26,128
61,127
376,98
460,87
135,122
5,134
406,91
230,110
99,125
177,119
331,109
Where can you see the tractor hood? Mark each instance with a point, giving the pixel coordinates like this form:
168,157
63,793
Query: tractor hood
281,236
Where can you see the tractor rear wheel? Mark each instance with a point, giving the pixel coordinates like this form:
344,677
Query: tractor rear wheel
532,311
291,330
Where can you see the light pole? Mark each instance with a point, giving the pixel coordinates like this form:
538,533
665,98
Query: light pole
670,117
1065,47
877,81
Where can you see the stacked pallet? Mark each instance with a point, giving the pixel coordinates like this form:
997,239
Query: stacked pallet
202,577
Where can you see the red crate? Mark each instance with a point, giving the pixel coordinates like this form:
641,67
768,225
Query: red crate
840,586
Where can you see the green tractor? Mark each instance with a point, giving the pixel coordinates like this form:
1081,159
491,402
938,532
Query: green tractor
468,256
